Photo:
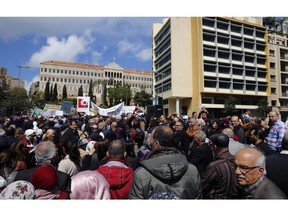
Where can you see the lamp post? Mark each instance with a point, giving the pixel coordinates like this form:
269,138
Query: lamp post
19,68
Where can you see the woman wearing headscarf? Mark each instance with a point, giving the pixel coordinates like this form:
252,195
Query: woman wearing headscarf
45,182
89,185
18,190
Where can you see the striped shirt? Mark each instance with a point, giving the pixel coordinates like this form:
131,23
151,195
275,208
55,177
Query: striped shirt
219,181
276,134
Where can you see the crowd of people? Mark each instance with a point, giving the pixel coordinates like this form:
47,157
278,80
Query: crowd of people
132,157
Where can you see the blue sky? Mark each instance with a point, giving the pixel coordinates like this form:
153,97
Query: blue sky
94,40
95,33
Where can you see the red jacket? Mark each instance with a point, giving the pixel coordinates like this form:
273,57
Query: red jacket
119,176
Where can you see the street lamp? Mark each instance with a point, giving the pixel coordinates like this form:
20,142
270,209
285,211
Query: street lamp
20,67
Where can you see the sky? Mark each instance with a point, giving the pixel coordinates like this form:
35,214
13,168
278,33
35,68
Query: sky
87,32
27,41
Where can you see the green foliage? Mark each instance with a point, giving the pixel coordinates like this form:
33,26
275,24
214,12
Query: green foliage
230,106
15,99
64,93
263,108
80,91
55,93
142,98
90,92
119,94
47,91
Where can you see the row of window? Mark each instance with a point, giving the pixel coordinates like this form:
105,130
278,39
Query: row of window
69,72
233,27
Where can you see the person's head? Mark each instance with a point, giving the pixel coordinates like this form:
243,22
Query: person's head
19,132
285,142
219,142
199,137
194,114
192,122
162,118
256,121
8,161
50,134
162,136
102,125
89,185
45,153
116,149
101,148
250,166
73,125
18,190
229,132
178,126
235,121
257,135
273,116
113,125
24,158
45,178
30,134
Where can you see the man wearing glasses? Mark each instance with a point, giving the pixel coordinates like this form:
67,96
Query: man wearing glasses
250,170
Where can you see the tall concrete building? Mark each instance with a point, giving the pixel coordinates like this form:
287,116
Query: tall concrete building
73,75
200,61
278,60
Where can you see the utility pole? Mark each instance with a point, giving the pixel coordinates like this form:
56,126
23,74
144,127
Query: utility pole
19,68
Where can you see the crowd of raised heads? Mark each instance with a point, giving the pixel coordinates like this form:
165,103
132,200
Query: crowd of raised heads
135,156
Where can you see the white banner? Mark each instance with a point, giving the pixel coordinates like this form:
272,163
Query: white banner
115,110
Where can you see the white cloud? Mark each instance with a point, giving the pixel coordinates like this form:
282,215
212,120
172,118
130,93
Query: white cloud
28,84
145,54
62,49
126,47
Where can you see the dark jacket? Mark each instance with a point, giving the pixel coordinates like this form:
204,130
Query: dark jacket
277,170
64,180
166,170
183,141
201,156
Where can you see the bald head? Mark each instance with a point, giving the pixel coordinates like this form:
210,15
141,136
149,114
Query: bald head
229,132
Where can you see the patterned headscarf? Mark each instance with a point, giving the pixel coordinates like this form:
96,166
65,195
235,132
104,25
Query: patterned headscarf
18,190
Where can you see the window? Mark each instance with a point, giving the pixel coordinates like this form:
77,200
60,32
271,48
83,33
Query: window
271,52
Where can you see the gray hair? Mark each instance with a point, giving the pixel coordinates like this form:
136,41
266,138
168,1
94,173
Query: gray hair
200,135
261,161
45,152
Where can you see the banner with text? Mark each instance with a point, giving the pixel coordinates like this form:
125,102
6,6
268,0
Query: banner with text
115,110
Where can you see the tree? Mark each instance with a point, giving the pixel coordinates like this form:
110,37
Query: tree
51,92
55,93
142,98
263,108
37,99
64,93
270,23
90,92
230,106
47,91
80,91
17,99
